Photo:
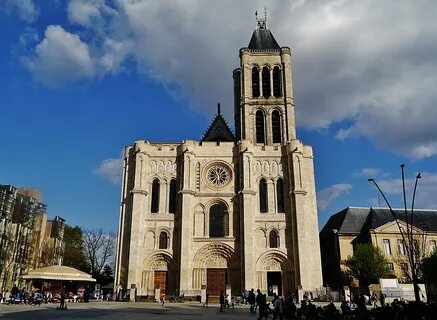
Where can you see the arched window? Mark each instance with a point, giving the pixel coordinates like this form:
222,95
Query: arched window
172,197
280,195
260,127
155,196
277,89
163,240
276,126
218,221
263,196
255,82
273,239
266,82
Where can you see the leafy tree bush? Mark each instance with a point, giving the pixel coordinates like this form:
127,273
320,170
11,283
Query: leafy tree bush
368,264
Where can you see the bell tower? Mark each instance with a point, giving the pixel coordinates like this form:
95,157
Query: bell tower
263,93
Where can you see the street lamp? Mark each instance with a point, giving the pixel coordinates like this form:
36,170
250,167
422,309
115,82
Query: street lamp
407,236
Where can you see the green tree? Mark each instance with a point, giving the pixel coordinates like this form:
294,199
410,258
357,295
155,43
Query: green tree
368,264
74,255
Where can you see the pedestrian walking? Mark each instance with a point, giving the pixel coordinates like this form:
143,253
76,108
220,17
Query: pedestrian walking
382,299
261,302
222,301
162,299
206,301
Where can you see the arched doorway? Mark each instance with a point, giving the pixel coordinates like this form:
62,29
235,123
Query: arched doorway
274,273
159,271
214,267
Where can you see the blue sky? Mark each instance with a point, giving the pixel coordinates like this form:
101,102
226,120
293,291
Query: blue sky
79,80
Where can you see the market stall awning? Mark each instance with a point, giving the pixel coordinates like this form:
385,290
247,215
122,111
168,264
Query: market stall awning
59,273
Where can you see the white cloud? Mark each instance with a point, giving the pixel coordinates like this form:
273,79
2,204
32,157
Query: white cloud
25,9
369,63
111,169
60,58
83,11
328,195
425,194
371,173
115,52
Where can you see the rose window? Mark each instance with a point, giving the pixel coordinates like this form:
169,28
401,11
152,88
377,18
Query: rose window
218,175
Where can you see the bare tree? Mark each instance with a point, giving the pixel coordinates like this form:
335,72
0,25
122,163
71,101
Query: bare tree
99,248
414,253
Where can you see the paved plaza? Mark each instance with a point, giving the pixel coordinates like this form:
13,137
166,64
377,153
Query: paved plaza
123,310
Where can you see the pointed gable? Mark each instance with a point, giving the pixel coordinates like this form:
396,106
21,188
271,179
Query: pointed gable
219,129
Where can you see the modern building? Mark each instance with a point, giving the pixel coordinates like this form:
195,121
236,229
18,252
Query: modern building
228,211
27,238
352,225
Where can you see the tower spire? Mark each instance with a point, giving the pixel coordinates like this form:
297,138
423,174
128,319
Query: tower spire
261,22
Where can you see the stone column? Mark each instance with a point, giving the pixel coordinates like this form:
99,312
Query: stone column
271,196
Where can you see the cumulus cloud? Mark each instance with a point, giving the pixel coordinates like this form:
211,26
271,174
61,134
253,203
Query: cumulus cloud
370,63
60,58
371,173
328,195
111,170
25,9
425,194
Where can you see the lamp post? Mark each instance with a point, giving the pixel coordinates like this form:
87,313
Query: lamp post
407,235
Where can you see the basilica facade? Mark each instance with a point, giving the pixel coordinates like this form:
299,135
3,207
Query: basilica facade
233,210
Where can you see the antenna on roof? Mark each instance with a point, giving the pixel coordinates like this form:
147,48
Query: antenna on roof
218,107
261,22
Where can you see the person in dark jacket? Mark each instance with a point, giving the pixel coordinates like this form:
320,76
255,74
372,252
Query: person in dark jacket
261,302
222,301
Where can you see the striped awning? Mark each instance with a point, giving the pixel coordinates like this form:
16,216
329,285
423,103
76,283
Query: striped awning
58,273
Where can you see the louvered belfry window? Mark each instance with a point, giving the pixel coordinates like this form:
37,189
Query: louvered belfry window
276,126
277,88
266,82
260,127
255,82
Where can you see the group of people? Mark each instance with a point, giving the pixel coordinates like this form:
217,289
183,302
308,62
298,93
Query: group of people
225,302
16,296
278,307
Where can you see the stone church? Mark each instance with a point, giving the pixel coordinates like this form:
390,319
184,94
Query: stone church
232,211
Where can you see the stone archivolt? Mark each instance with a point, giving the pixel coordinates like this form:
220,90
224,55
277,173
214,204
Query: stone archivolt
214,255
274,260
159,261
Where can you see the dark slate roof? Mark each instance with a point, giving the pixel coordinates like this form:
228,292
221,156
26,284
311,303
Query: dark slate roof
349,220
263,39
354,220
381,216
219,130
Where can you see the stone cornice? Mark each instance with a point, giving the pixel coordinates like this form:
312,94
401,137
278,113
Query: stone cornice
214,240
215,194
139,191
247,191
299,191
187,191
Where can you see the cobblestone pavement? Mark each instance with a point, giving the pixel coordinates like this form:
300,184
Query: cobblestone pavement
123,310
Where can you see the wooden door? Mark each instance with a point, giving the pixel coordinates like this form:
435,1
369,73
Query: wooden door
160,281
216,281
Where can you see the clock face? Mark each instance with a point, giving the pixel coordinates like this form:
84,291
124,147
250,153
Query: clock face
218,175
